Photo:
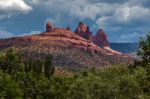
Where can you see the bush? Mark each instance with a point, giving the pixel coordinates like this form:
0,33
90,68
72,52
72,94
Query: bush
9,88
144,49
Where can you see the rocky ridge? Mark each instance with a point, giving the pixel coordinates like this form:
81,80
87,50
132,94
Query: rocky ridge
100,39
70,50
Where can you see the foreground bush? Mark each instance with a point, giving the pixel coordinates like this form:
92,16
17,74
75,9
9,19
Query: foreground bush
9,88
116,82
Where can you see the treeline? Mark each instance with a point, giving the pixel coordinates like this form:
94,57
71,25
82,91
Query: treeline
34,79
12,61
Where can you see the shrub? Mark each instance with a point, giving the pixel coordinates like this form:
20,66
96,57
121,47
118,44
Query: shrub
9,88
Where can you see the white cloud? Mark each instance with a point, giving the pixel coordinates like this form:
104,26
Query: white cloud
91,11
81,9
5,34
102,12
36,2
125,15
12,7
130,14
31,33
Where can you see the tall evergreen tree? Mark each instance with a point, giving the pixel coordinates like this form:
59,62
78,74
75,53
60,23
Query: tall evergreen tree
48,67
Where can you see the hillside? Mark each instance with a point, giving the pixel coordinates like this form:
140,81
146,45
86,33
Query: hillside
68,49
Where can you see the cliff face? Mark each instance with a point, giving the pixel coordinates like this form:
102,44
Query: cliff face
99,39
84,31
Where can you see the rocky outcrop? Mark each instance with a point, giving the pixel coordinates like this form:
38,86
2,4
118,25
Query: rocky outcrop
49,27
84,31
101,39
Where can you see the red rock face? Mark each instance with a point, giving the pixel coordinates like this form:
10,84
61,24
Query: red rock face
84,31
49,27
101,39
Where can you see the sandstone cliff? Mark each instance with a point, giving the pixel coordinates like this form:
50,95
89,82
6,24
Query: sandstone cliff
100,39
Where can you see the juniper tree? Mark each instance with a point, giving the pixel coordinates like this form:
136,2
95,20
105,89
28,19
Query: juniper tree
48,67
10,61
144,49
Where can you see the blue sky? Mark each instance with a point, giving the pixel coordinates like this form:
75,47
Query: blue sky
122,20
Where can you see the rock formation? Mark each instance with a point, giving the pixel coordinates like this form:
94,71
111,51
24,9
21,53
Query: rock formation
84,31
49,27
101,39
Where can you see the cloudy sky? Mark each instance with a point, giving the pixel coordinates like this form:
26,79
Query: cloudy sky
122,20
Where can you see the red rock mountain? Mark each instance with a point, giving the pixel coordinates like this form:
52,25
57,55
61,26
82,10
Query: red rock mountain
100,39
68,48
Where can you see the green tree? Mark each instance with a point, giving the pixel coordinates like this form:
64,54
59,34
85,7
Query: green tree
48,67
38,67
144,49
10,61
9,89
